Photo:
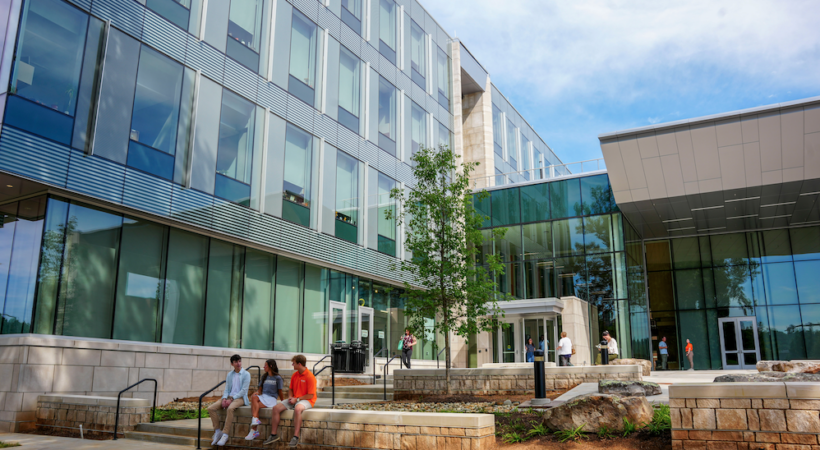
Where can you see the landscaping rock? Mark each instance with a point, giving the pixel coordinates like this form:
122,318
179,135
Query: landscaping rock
628,388
646,366
769,377
596,410
789,366
766,366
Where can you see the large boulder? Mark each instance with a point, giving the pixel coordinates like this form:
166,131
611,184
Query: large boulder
628,388
767,366
805,366
646,366
769,377
596,410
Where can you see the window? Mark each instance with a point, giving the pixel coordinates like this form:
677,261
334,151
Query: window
175,11
347,197
387,116
386,227
296,195
235,152
349,89
537,164
418,128
352,14
506,207
498,132
47,67
512,147
525,157
418,55
155,119
245,32
387,30
443,70
303,49
444,136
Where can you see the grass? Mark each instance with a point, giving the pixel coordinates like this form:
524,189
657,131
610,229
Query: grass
175,414
573,434
513,438
538,430
661,421
629,427
9,444
605,433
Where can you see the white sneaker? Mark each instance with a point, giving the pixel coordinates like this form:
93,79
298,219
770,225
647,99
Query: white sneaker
217,435
254,434
223,440
256,421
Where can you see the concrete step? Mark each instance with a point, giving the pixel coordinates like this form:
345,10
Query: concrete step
170,439
356,389
357,395
164,428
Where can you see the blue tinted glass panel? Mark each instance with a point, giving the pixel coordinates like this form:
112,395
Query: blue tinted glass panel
156,101
780,284
302,91
387,144
296,213
565,199
482,207
387,246
236,131
243,55
808,281
232,190
733,286
351,21
171,10
596,194
387,52
811,328
787,332
805,243
506,207
149,160
350,121
38,120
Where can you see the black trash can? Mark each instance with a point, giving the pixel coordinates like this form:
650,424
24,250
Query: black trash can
358,356
341,356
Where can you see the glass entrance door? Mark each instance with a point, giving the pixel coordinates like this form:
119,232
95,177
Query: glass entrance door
551,340
508,344
533,328
365,333
738,342
337,322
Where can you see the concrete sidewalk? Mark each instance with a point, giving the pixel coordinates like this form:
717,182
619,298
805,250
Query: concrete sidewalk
34,441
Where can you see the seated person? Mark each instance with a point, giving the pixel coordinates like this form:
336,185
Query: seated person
302,398
268,391
235,395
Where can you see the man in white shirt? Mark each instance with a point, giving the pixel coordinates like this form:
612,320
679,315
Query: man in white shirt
564,350
611,346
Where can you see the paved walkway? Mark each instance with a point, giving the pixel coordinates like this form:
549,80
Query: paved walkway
34,441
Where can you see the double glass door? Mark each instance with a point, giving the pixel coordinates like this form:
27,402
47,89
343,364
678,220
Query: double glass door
513,339
360,323
738,342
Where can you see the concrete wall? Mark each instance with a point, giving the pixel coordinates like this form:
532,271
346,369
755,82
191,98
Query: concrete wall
576,322
92,413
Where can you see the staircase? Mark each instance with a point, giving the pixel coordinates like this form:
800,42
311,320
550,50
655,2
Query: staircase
357,394
176,432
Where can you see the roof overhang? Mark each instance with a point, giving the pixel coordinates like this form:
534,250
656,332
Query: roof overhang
533,306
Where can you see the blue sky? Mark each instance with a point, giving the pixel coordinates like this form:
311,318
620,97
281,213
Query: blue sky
575,69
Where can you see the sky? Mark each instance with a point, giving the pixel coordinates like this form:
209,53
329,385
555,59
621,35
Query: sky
576,69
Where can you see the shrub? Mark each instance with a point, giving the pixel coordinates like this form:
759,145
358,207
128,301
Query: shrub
661,420
605,433
629,427
573,434
513,438
538,430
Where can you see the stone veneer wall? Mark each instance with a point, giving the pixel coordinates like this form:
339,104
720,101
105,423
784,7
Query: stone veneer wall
93,413
325,428
32,365
745,416
411,383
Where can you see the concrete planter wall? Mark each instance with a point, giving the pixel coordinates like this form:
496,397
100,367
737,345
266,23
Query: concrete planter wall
93,413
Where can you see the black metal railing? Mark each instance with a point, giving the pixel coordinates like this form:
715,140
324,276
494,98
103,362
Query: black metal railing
374,362
199,415
439,354
153,408
258,372
332,378
385,374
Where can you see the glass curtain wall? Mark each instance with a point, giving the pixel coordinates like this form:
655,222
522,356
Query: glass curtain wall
443,71
525,156
512,145
418,128
182,13
386,227
498,132
387,116
235,151
298,157
349,89
304,46
347,197
418,55
387,30
352,14
245,32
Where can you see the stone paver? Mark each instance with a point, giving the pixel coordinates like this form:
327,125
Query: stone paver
34,441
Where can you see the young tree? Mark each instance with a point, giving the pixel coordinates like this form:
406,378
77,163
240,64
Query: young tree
451,280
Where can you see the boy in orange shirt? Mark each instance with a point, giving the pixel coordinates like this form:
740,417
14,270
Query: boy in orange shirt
302,397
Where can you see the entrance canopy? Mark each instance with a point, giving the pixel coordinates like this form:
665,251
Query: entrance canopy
535,306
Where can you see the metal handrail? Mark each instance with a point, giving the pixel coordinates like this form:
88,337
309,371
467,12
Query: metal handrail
439,354
374,362
199,415
385,374
153,408
258,372
332,378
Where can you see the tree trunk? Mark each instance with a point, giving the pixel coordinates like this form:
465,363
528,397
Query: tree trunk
447,364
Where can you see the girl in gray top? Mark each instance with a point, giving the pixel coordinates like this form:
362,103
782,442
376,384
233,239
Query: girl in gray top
267,392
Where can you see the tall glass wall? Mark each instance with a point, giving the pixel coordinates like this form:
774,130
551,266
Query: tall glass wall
769,275
71,269
566,238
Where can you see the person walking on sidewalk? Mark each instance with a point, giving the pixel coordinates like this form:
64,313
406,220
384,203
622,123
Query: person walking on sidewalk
407,348
564,350
235,395
690,353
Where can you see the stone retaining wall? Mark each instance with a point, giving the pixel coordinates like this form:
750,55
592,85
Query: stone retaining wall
408,384
325,428
745,416
93,413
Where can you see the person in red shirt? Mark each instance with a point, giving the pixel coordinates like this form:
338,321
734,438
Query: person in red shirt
690,353
302,398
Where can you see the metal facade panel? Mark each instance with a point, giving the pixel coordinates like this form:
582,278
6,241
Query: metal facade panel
348,141
240,79
404,82
300,114
430,104
192,206
351,40
272,96
33,157
418,95
147,193
127,15
387,70
369,152
330,22
387,164
298,238
326,128
404,173
84,4
309,8
264,229
206,58
95,176
163,36
370,54
231,218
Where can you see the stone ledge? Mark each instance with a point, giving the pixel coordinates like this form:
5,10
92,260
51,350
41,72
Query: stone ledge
447,420
92,400
803,391
409,373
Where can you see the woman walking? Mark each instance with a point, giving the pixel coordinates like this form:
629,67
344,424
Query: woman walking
564,350
530,351
267,392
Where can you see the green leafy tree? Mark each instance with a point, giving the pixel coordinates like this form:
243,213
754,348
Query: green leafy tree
444,237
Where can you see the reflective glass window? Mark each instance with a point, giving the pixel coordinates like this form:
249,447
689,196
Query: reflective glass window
304,45
226,272
511,281
347,197
596,195
537,163
733,286
808,281
600,277
245,32
509,247
661,291
235,152
565,199
537,240
512,145
686,253
779,280
506,207
535,203
689,285
48,281
289,292
805,243
257,305
787,332
525,156
540,279
568,237
443,71
418,128
387,116
810,315
729,249
658,256
598,234
418,55
183,317
349,89
775,246
352,14
176,11
387,29
445,137
386,227
571,276
483,208
315,337
296,192
498,131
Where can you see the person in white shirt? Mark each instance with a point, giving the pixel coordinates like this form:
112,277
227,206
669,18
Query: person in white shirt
611,346
564,350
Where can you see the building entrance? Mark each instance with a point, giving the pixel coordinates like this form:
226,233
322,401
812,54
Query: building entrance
513,339
738,342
